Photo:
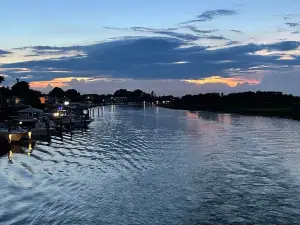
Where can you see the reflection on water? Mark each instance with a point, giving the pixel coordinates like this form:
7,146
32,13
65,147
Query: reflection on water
148,165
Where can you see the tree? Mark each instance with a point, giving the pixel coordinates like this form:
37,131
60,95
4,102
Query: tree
20,89
1,79
122,93
72,94
57,93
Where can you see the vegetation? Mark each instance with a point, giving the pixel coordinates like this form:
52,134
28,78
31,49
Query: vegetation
249,103
21,90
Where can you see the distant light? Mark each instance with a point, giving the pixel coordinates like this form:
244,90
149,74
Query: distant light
157,102
66,103
20,122
85,112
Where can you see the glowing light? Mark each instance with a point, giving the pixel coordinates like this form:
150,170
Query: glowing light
20,123
66,103
29,135
29,147
10,155
42,100
9,138
56,114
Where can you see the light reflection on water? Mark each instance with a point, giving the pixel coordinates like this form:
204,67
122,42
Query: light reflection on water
147,165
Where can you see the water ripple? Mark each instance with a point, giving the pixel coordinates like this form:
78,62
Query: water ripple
157,166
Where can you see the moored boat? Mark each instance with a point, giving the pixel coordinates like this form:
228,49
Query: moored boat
12,135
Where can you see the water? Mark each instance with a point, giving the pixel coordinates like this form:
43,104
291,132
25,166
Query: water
158,166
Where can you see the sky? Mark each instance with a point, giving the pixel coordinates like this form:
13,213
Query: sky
170,47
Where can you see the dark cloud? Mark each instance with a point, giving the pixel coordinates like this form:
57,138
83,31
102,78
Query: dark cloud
283,46
169,32
293,25
212,14
215,37
158,58
232,42
198,31
237,31
3,52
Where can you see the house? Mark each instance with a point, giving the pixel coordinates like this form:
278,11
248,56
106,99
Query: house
30,113
15,101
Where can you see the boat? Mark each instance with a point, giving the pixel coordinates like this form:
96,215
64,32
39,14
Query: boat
37,127
75,122
14,134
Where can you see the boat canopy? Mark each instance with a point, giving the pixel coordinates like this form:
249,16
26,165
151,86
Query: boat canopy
31,110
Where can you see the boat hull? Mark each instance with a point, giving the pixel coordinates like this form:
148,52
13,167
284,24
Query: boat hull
15,137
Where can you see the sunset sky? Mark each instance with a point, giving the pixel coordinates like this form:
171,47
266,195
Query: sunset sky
170,47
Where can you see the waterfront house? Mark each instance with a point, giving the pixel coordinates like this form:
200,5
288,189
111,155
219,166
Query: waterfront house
30,113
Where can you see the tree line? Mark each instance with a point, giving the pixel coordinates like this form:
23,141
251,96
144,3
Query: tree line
267,103
260,102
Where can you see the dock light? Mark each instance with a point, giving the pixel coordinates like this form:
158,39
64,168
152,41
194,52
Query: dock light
29,135
56,114
67,103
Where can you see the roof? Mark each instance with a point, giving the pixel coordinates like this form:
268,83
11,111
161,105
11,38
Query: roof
30,110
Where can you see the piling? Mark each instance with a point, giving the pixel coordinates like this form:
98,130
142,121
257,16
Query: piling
5,146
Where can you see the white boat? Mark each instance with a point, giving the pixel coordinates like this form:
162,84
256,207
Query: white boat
13,135
36,127
76,122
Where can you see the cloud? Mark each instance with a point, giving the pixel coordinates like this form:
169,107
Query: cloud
171,32
293,25
3,52
212,14
198,31
237,31
160,58
283,46
215,37
168,32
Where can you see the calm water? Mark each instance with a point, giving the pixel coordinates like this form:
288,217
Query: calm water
158,166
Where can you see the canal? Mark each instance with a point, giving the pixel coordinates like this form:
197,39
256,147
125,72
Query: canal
137,165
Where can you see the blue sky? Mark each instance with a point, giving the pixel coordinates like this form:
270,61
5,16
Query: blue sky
194,46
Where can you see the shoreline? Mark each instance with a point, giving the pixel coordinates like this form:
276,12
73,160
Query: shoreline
283,113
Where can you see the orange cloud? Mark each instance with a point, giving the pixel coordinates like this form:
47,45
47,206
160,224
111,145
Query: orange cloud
56,82
230,81
63,81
